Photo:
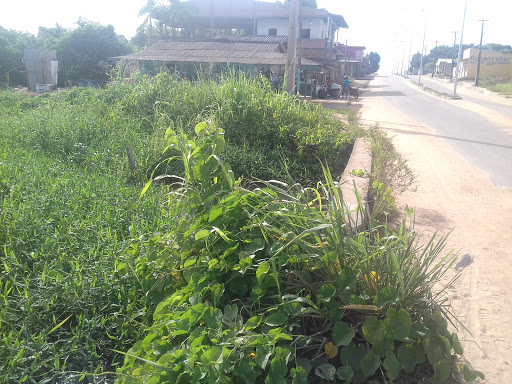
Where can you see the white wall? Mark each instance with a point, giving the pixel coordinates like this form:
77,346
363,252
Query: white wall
263,25
318,28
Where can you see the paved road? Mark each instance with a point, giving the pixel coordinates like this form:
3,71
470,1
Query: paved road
499,104
485,143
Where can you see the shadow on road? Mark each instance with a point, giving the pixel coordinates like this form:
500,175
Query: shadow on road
339,104
431,134
384,93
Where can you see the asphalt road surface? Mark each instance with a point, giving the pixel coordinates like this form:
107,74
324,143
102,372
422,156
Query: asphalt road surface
484,140
461,154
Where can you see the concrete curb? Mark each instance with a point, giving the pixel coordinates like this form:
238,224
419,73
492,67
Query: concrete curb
360,159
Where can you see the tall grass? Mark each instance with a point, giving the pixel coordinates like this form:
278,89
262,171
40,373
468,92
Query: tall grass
67,213
70,210
276,282
260,126
503,88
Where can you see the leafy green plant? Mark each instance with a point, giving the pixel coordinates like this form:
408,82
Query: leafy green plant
277,284
358,172
390,173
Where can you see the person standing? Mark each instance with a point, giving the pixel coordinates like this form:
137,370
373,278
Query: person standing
345,90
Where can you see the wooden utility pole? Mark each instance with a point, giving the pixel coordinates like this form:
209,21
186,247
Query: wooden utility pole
345,59
291,58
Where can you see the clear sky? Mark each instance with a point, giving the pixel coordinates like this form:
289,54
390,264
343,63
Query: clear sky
386,27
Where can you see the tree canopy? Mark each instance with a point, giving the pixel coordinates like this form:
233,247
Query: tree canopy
83,52
374,59
12,45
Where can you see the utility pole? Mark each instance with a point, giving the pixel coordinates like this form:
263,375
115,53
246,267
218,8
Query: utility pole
453,53
410,56
150,31
460,52
345,59
291,56
435,60
422,48
403,55
479,53
299,47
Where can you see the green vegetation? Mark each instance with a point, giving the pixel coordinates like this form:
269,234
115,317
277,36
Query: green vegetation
66,214
12,44
70,206
207,277
390,174
373,58
82,52
275,284
498,87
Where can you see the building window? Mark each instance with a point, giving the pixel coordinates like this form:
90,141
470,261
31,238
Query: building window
272,31
305,33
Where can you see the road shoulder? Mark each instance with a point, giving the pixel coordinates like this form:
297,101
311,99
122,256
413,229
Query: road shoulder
454,195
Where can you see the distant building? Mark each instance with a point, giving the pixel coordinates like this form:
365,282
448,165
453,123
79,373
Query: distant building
492,64
250,34
252,17
350,59
41,69
444,67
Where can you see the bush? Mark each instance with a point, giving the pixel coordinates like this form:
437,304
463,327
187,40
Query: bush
274,284
261,127
69,209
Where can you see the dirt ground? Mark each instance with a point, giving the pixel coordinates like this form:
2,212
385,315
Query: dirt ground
453,194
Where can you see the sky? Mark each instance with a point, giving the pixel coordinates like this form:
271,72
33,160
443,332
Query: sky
392,28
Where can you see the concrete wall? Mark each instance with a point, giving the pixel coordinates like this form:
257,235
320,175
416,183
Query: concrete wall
492,64
264,25
317,27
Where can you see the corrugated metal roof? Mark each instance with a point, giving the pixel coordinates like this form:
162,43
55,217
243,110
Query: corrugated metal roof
214,52
314,43
253,38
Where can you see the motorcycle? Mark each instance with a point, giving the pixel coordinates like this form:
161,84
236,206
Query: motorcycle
333,91
353,91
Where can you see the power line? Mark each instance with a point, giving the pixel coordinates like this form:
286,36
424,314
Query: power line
6,73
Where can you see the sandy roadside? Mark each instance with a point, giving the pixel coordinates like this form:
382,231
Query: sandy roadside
452,194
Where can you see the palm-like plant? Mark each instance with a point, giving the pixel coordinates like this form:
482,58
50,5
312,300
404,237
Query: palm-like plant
173,13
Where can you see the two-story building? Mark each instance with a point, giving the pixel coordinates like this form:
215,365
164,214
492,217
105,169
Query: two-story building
233,25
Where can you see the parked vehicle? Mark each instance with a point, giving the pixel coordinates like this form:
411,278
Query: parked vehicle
353,91
333,91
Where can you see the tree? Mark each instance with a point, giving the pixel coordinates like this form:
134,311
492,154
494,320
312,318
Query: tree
48,38
12,46
507,49
84,51
374,59
175,15
415,62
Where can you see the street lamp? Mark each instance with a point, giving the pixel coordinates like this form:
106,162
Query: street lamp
460,53
479,53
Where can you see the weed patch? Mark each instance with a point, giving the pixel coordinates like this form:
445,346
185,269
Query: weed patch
275,284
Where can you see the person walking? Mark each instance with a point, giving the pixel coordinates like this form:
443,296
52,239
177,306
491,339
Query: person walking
345,90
